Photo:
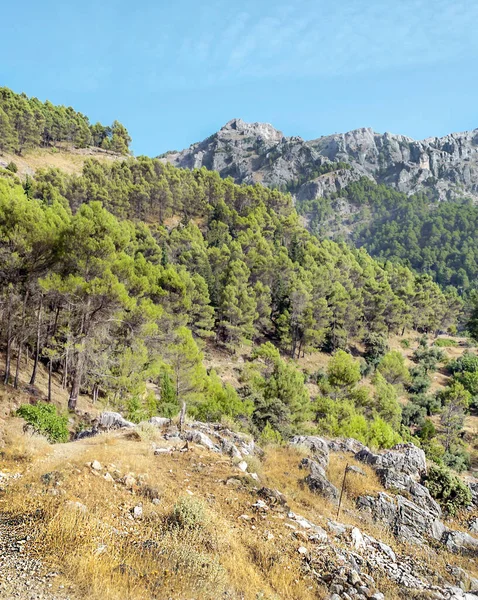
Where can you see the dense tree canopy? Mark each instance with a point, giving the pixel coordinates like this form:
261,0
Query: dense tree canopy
27,123
117,278
431,236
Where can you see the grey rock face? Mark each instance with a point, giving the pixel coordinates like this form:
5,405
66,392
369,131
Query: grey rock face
113,420
461,543
473,485
404,459
317,480
345,445
317,446
256,152
407,520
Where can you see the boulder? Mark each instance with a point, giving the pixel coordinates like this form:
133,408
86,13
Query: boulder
345,445
406,459
198,437
317,480
113,420
159,421
461,543
317,446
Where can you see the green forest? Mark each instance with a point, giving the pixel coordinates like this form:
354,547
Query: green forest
119,279
27,123
430,236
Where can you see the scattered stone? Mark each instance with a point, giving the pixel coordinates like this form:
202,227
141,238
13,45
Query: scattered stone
302,550
96,466
242,466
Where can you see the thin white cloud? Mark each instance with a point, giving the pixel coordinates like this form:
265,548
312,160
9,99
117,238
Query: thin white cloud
314,38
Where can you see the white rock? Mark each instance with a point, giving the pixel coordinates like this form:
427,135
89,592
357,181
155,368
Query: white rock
108,477
302,550
78,506
242,466
96,466
162,451
137,512
357,539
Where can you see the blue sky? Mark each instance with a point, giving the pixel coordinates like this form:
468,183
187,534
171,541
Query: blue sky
175,72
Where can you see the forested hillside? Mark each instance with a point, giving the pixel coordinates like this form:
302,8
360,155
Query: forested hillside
431,236
27,123
115,279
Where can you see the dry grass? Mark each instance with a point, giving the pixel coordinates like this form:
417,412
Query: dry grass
209,550
69,160
109,555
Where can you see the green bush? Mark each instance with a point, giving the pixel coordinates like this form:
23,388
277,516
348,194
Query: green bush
468,362
12,167
190,513
445,343
45,419
447,489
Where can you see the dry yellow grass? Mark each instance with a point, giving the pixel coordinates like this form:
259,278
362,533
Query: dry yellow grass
108,555
69,160
229,554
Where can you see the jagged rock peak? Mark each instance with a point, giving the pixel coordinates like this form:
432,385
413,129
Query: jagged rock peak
264,130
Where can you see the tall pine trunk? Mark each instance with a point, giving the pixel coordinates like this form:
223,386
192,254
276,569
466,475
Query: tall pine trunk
76,383
37,344
20,341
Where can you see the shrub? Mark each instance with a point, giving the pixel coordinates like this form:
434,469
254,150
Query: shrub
447,489
12,167
457,458
413,414
420,382
445,343
467,362
45,419
428,358
190,513
269,435
405,343
375,347
393,368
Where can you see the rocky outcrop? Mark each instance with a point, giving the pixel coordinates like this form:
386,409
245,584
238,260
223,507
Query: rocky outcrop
461,543
317,446
113,420
405,519
317,480
257,152
404,459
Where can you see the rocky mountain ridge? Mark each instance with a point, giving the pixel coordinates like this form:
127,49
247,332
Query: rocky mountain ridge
259,153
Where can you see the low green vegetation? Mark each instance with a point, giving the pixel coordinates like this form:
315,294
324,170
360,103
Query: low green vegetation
44,419
448,489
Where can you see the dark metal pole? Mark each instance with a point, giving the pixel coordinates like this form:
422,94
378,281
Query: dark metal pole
342,490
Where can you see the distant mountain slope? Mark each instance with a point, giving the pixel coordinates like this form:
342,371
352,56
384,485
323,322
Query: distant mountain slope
257,152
